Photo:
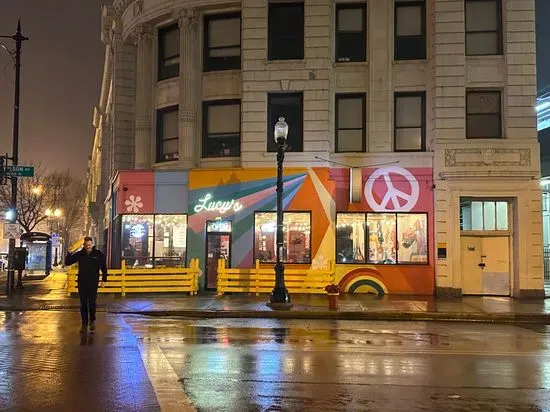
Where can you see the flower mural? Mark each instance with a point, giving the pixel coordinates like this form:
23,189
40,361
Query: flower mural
134,204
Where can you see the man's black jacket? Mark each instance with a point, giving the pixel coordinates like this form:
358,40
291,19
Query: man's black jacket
88,267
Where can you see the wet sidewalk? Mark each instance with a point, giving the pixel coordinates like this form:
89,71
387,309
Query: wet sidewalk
49,294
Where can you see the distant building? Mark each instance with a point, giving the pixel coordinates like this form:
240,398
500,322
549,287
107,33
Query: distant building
412,155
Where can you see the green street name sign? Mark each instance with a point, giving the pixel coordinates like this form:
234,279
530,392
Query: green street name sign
19,171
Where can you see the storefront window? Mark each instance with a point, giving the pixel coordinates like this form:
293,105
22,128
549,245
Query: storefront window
170,240
412,235
296,233
154,241
137,240
350,238
382,238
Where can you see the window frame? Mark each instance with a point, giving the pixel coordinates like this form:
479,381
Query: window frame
346,6
159,136
422,95
270,35
498,31
205,105
308,262
485,91
271,123
410,4
161,59
220,63
337,98
367,244
153,256
485,232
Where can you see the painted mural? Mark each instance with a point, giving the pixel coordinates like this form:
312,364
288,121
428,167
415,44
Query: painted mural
382,243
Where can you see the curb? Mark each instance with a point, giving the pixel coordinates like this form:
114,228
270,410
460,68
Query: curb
333,315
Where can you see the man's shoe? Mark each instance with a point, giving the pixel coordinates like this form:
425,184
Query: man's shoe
92,325
84,328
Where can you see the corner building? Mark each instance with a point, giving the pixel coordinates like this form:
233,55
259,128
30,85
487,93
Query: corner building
412,157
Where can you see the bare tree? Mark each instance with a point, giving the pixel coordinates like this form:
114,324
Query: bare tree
31,199
69,195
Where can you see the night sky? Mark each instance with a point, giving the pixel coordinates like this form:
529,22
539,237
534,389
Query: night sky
62,71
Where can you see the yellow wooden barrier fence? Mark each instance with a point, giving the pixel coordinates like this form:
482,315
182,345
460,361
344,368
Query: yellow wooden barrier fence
256,280
126,280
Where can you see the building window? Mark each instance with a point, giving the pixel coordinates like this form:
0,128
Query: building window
483,215
410,30
154,240
483,27
296,237
289,106
483,114
168,52
221,128
382,238
285,31
350,238
222,42
350,122
410,122
167,134
351,34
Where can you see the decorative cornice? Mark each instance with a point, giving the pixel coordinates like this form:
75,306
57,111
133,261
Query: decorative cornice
121,6
499,157
144,32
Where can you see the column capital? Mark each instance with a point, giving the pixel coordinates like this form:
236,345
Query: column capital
144,32
187,17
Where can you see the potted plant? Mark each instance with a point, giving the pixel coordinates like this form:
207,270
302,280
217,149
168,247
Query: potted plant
333,291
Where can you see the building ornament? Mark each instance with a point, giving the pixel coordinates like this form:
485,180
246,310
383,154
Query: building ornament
187,17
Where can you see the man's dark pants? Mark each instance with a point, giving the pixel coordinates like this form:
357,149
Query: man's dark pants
88,297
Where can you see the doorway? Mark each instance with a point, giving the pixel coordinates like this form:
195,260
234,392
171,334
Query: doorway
485,265
218,246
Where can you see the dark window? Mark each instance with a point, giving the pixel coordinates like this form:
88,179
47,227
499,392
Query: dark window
169,52
286,31
351,38
483,27
167,134
483,114
222,42
350,122
410,30
289,106
410,122
221,128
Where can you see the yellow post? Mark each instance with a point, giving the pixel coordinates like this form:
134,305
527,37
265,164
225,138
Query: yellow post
122,280
70,276
257,277
221,276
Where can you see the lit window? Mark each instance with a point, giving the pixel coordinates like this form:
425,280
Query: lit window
484,215
350,238
221,129
382,238
296,237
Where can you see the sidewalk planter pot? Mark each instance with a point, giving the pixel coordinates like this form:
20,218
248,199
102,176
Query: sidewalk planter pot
333,300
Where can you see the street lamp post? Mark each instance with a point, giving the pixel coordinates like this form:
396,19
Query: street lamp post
280,299
18,38
54,215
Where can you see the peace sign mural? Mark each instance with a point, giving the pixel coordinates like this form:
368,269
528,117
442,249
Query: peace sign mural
392,189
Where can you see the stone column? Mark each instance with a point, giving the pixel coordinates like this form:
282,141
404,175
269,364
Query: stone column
144,86
188,82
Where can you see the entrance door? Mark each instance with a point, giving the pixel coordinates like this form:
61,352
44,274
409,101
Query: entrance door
485,265
217,247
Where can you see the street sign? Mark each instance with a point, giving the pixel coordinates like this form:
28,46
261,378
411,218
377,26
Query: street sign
55,240
19,171
12,230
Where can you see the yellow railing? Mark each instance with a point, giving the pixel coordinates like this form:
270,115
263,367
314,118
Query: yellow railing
126,280
261,280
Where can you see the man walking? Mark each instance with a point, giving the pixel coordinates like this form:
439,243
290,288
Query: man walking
90,261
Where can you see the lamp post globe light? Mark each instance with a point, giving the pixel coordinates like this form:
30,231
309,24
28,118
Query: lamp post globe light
280,299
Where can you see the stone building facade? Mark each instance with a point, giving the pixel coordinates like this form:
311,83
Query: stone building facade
442,89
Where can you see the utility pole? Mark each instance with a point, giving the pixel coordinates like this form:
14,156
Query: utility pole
18,38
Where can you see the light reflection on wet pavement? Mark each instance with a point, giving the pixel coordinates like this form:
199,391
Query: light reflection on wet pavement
140,363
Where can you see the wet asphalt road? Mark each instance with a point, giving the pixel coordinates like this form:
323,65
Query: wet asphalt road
134,363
